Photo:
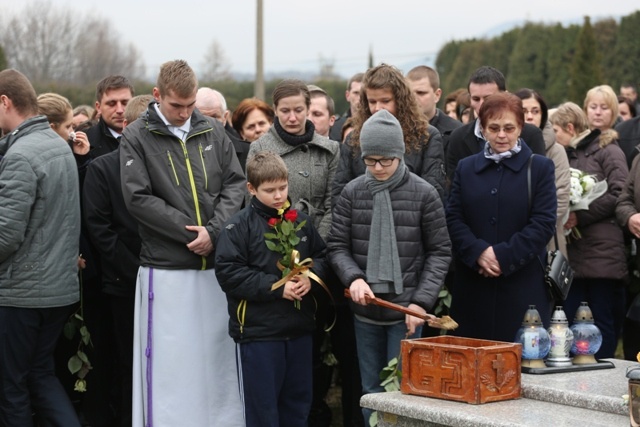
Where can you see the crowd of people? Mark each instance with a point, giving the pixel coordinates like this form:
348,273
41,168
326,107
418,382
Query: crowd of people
209,249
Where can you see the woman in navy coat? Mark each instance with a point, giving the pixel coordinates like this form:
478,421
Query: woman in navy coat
499,228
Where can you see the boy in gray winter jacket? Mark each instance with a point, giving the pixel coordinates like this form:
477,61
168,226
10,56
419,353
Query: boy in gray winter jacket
388,239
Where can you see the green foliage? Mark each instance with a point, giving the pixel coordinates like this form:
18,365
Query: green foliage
74,364
559,57
443,304
79,363
391,377
585,69
605,33
528,62
626,58
502,47
446,59
373,419
471,56
560,62
284,238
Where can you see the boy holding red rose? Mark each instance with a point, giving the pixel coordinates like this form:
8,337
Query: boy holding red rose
271,325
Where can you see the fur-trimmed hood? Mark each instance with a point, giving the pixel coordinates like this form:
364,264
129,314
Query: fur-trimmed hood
607,137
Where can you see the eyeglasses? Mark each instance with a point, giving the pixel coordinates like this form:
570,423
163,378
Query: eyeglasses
497,129
385,163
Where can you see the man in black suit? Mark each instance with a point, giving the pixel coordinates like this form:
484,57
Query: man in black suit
114,234
468,139
112,95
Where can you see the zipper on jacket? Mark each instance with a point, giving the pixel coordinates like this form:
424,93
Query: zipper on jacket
191,179
241,311
173,168
204,167
193,184
194,192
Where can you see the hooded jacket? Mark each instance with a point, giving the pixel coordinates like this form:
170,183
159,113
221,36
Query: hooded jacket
39,218
168,183
600,253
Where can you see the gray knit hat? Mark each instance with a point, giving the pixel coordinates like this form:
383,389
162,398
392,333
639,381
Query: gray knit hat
381,135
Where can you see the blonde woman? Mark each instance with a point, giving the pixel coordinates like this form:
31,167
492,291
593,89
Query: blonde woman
598,258
59,113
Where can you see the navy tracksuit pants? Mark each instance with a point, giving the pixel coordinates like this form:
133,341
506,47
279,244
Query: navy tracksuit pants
276,382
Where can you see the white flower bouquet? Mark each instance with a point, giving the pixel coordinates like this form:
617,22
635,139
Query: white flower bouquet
584,189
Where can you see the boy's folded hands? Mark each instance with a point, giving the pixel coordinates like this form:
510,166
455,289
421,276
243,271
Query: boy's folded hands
296,288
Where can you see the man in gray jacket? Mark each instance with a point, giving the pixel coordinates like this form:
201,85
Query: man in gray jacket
181,180
39,232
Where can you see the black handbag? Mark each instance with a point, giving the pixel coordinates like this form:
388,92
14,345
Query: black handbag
558,274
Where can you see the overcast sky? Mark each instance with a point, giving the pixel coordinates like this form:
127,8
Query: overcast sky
298,32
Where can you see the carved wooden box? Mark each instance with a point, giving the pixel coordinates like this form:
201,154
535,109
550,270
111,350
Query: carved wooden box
463,369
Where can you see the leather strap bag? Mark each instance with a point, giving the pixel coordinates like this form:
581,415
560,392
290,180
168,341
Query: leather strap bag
558,274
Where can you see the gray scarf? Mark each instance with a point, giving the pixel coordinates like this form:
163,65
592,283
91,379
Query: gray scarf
383,262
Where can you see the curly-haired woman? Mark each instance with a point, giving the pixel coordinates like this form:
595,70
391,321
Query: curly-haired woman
385,88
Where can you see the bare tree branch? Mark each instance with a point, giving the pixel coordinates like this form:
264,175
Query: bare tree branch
47,44
216,63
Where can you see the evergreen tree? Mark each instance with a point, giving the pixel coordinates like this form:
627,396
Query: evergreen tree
501,50
528,62
559,57
446,57
606,32
626,60
472,55
585,67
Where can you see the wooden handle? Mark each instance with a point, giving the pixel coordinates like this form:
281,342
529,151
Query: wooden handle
392,306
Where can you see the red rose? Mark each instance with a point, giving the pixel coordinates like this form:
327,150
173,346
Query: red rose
291,215
272,222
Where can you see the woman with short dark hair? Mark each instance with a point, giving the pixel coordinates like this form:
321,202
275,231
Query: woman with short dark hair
499,223
312,159
252,118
